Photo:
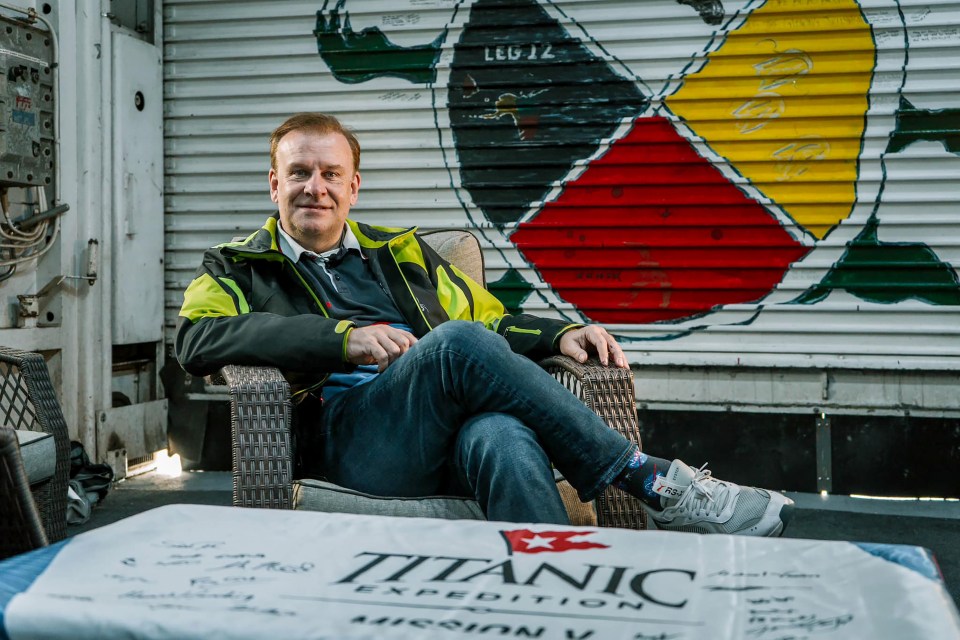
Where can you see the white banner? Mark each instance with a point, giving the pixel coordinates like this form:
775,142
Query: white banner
217,572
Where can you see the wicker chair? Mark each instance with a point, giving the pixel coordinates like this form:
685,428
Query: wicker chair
20,526
28,401
260,410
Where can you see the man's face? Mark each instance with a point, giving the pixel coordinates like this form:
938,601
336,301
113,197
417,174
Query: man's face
314,186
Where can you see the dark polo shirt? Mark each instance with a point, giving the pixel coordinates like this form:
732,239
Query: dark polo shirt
346,285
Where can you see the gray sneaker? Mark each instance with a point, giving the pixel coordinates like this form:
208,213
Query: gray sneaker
694,501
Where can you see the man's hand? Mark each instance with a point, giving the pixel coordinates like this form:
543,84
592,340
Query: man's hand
578,342
378,344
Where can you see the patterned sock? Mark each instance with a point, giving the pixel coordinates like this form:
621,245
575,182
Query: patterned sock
638,476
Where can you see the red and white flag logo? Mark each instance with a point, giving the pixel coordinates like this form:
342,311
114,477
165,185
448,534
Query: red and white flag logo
527,541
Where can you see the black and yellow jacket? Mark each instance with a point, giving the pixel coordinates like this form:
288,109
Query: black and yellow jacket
249,305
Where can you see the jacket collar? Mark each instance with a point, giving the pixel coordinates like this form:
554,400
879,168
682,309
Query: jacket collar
293,249
371,237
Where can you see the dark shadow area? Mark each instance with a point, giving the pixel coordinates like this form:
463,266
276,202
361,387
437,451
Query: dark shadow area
898,456
776,451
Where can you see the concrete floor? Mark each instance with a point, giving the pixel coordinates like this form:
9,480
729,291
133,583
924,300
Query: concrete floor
934,525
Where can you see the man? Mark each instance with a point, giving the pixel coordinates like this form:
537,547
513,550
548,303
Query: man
410,378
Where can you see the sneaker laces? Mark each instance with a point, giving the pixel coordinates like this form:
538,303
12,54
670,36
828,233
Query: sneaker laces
706,495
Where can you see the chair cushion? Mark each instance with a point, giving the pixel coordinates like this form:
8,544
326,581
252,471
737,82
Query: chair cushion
317,495
38,453
461,248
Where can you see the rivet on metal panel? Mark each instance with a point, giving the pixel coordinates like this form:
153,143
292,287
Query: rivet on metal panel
824,454
117,459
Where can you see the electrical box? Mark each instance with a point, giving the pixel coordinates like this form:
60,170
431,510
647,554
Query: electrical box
26,105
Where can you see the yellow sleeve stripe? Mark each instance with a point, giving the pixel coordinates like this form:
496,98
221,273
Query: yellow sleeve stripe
346,338
486,307
244,307
206,297
451,297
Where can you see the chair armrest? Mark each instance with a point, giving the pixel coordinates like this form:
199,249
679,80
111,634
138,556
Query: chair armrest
20,527
610,393
28,401
260,420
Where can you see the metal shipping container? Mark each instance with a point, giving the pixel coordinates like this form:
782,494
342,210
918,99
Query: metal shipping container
759,197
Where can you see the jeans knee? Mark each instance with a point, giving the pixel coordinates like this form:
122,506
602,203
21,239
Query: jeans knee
498,441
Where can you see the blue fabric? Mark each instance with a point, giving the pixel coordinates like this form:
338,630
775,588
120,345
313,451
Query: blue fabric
915,558
339,382
19,572
461,411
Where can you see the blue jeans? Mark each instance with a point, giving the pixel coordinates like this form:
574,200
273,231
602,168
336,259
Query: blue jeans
461,413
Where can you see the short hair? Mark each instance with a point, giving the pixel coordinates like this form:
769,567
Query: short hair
318,122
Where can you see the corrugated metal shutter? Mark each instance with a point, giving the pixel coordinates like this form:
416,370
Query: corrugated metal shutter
721,183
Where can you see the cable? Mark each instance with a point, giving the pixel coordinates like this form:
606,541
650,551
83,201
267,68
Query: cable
25,246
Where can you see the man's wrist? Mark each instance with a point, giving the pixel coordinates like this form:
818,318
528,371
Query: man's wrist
562,332
346,327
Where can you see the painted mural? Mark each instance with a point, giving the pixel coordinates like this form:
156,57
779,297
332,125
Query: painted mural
739,164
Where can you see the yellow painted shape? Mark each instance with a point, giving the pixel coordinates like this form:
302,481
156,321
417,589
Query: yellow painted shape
792,83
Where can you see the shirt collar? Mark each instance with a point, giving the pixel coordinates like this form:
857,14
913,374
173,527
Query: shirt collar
293,249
